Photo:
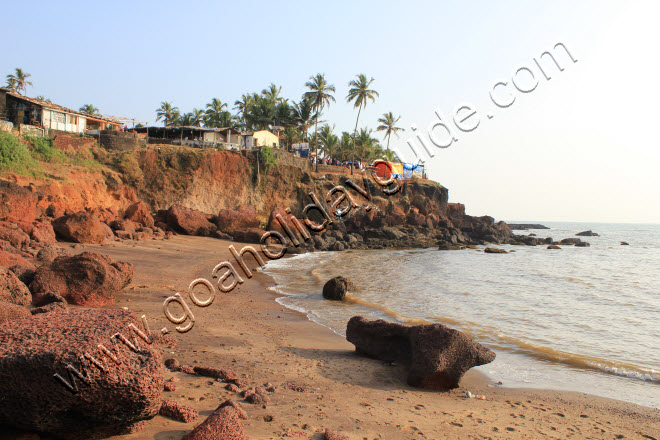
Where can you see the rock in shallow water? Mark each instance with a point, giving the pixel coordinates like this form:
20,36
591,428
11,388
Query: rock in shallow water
33,399
337,287
437,355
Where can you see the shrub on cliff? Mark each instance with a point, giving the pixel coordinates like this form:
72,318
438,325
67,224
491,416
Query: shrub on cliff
43,149
14,154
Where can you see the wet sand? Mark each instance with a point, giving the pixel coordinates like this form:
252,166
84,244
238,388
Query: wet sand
247,331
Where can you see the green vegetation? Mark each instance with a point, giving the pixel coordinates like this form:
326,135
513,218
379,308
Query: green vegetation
320,94
89,109
44,151
267,158
15,155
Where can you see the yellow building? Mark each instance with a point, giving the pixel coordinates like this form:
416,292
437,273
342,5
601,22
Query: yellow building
261,138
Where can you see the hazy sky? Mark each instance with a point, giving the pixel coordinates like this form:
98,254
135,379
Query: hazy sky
582,146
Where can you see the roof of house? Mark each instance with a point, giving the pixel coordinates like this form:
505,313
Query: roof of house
52,106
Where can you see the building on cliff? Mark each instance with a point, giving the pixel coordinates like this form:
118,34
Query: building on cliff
36,116
261,138
200,137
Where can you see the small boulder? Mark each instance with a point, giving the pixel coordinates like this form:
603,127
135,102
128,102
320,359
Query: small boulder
177,411
244,216
570,241
12,290
14,235
140,213
17,203
86,279
189,221
336,288
10,312
248,235
223,424
553,246
80,227
334,435
43,232
623,243
587,234
582,244
490,250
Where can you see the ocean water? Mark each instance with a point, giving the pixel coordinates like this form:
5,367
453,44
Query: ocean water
580,319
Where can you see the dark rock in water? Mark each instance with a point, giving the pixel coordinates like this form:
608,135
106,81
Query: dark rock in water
105,404
582,244
86,279
12,290
490,250
449,247
570,241
589,233
223,424
624,243
553,246
337,287
525,226
437,355
10,312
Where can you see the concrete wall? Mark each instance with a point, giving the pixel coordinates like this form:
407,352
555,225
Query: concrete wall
265,138
117,140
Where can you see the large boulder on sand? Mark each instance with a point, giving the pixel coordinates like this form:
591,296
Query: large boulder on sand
437,356
17,203
96,405
245,216
12,290
86,279
80,227
189,221
223,424
139,213
337,287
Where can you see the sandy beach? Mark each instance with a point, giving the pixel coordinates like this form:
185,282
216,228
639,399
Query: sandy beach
248,332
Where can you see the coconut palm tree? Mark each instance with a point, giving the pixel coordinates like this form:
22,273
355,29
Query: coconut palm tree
89,109
186,120
329,141
388,125
366,146
272,93
290,136
303,115
197,117
242,107
226,120
18,81
360,93
167,113
320,94
11,83
213,111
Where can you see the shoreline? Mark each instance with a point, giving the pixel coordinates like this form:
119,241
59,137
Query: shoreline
249,332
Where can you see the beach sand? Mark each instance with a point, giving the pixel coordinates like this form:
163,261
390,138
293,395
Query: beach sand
248,332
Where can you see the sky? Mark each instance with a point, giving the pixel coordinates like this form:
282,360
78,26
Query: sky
581,146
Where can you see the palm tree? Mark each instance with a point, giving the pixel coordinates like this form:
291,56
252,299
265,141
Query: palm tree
388,125
213,111
186,120
389,156
242,106
320,94
18,81
11,83
303,115
167,113
226,120
197,116
290,136
360,93
89,109
329,141
272,93
367,146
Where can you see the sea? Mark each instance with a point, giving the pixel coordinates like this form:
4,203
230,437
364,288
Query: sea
583,319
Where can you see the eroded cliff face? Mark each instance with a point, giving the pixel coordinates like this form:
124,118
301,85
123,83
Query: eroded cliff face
210,181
